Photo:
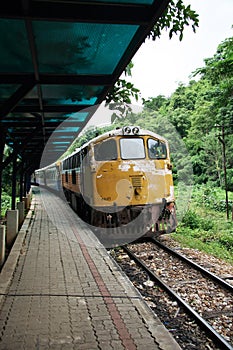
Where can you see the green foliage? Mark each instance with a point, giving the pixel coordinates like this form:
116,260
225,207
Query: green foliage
6,203
213,247
174,19
192,220
204,225
7,171
155,103
212,198
220,66
199,111
122,92
120,96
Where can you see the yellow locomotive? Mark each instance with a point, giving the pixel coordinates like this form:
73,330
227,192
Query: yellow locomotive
120,177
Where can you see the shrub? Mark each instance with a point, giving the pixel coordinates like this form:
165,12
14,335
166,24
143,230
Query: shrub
226,239
192,220
6,203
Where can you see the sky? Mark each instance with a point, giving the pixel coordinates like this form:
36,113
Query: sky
160,65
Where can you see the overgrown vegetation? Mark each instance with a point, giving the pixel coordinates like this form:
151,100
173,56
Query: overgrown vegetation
202,113
204,225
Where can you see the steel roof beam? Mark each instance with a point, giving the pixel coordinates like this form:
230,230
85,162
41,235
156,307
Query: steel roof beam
49,124
20,147
51,109
138,14
58,79
10,104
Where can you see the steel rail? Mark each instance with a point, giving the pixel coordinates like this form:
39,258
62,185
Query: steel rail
191,263
205,325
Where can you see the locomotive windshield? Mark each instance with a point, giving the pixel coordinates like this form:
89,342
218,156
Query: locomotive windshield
157,149
106,150
132,148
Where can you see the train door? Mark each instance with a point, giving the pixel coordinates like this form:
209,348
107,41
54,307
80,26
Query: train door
58,176
86,178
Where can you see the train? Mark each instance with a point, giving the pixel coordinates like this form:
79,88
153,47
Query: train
120,178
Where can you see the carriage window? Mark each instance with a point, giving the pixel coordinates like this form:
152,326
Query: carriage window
106,150
70,163
66,176
66,164
73,177
78,160
73,160
157,149
132,148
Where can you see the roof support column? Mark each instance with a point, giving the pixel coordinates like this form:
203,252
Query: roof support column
27,183
2,146
13,183
21,182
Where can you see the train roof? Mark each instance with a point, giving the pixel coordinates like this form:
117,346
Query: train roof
55,164
125,130
130,130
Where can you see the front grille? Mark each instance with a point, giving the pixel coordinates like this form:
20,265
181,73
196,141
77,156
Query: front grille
136,181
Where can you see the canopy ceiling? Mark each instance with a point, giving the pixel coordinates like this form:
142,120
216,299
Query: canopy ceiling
58,58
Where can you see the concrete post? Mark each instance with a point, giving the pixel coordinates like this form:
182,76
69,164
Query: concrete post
13,183
26,202
29,197
2,244
20,207
12,224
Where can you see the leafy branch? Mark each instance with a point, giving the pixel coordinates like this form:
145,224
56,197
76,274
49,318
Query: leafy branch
175,18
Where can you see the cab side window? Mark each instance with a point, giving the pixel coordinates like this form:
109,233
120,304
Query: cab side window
106,150
157,149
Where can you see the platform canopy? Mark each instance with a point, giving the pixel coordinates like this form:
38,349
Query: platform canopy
59,57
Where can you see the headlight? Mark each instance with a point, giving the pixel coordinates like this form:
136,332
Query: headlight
135,130
131,130
127,130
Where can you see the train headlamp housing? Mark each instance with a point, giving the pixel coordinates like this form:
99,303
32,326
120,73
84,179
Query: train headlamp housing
126,130
131,130
135,130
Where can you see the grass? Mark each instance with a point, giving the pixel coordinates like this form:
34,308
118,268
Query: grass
204,225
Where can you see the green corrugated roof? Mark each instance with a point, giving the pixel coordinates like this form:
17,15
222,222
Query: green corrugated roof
58,58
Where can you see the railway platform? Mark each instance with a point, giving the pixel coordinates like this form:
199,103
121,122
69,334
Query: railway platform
60,289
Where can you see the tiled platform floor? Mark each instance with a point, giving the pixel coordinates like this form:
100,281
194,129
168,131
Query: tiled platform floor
60,289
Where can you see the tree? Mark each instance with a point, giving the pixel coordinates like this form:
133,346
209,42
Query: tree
218,71
155,103
196,109
217,75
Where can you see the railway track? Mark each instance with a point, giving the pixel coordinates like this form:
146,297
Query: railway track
194,265
179,285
